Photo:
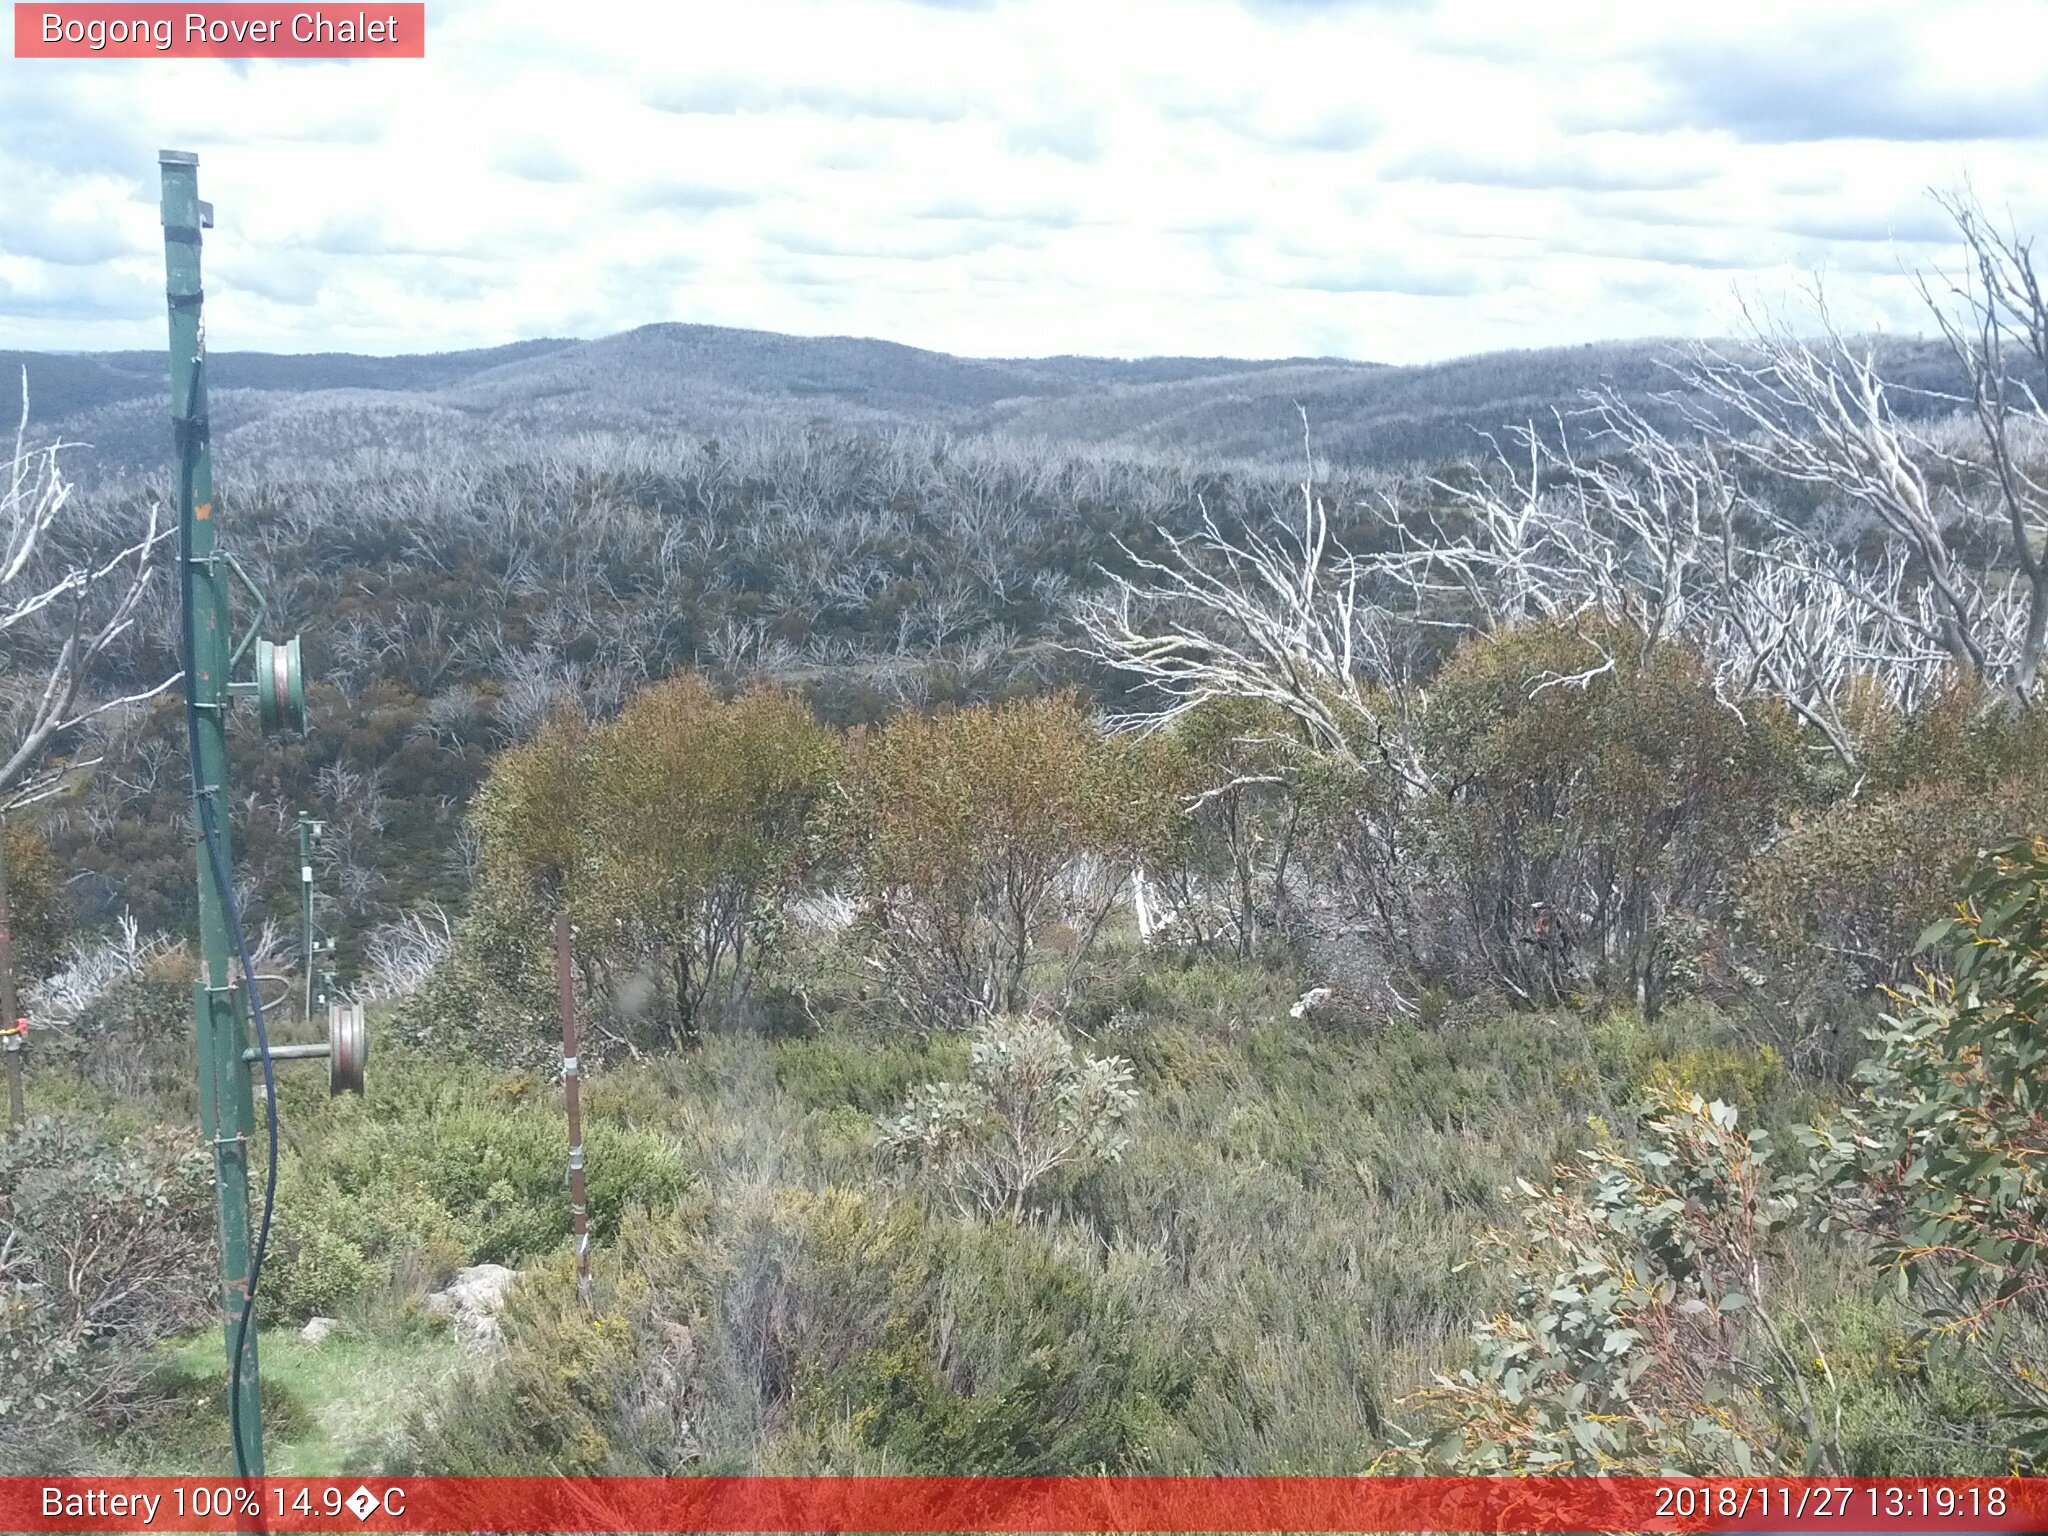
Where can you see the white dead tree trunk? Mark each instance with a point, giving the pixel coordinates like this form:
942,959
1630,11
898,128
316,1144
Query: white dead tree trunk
1819,413
1283,614
2000,337
1661,535
63,604
1664,536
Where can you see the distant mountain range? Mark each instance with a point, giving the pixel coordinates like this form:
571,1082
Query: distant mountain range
276,412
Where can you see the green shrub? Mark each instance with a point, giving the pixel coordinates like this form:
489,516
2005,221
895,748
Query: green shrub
1031,1107
1637,1340
39,917
350,1231
987,846
442,1166
1843,897
674,833
134,1041
1831,911
553,1398
702,817
869,1075
1237,762
317,1273
1595,787
1072,1382
1941,1161
868,1334
493,999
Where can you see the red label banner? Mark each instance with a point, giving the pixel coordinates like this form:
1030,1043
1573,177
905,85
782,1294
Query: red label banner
368,29
1025,1504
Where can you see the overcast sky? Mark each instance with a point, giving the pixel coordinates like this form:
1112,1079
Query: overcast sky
1375,179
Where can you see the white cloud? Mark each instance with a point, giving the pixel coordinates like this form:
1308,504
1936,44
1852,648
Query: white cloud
1390,179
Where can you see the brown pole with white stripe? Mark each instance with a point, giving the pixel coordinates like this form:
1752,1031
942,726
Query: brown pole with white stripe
572,1076
13,1031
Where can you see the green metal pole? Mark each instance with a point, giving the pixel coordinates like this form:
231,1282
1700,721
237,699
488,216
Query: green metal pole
227,1113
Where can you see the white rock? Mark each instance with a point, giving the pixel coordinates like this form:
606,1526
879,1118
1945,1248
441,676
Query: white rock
1310,1000
318,1329
482,1288
473,1301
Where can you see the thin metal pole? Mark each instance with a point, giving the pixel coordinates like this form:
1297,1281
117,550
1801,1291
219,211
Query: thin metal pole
306,939
14,1029
227,1111
572,1080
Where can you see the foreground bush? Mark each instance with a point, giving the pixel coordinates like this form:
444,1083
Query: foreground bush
443,1167
1639,1338
859,1333
1941,1162
106,1247
1273,1261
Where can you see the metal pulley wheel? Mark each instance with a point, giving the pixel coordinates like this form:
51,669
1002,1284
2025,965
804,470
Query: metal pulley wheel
348,1047
280,686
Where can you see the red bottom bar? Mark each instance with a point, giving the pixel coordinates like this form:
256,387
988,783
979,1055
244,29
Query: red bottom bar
1023,1504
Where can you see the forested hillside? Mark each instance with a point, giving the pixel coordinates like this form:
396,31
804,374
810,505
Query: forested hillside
277,414
447,606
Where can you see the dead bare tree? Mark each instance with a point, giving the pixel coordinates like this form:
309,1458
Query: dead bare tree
65,599
1665,535
1916,556
1680,538
401,955
1820,414
1999,335
1281,614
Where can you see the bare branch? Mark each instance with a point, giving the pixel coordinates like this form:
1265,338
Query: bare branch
61,613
